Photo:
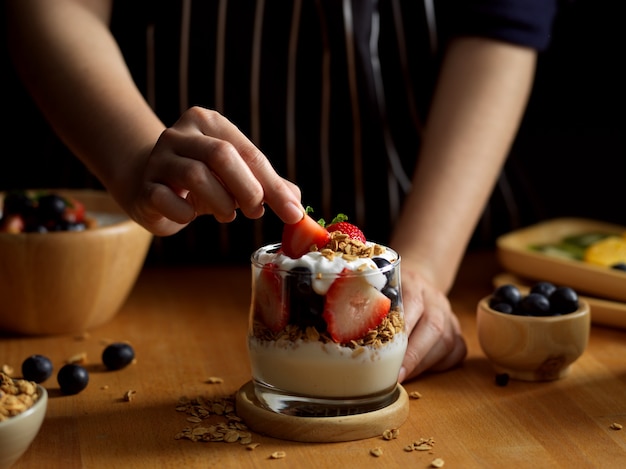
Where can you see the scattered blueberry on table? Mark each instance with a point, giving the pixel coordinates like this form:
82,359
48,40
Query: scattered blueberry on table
72,378
118,355
37,368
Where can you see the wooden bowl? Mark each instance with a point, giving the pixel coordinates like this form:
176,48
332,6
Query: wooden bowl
70,281
532,348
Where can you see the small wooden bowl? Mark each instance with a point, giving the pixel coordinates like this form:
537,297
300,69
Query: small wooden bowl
70,281
533,348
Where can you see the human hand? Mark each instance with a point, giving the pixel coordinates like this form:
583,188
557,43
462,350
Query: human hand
435,340
202,165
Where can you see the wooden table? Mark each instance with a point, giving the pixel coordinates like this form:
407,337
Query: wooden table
189,324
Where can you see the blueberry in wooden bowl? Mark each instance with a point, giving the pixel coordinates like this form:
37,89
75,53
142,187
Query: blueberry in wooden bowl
533,336
68,260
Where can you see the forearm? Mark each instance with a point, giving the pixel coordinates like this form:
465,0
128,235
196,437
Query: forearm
79,80
480,98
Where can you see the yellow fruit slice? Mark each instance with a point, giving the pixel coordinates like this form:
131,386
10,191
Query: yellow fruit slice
607,252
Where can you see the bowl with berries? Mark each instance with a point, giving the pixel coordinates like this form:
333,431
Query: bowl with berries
533,334
68,260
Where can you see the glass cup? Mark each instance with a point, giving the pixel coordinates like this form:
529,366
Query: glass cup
305,316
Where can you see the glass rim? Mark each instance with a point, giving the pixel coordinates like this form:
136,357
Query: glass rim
269,248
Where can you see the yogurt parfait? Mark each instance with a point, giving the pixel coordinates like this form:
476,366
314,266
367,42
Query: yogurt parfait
326,333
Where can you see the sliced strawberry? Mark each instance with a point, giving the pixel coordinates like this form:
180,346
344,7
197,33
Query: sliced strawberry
12,224
268,299
298,238
353,307
353,231
74,211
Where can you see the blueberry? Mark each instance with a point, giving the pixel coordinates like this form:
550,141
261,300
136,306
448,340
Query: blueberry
51,207
383,263
75,226
300,281
502,379
72,378
564,300
507,293
619,266
502,307
534,304
305,306
35,227
543,288
37,368
393,294
18,203
117,355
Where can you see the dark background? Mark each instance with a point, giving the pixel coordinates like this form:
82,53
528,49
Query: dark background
569,158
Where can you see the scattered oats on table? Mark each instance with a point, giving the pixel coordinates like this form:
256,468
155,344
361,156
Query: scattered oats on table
214,420
437,462
376,452
615,426
415,395
423,444
391,434
278,455
78,359
214,380
82,336
129,395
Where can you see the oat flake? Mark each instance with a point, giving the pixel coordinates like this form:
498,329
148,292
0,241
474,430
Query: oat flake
437,462
377,452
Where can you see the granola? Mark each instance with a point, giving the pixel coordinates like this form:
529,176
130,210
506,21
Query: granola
16,396
391,325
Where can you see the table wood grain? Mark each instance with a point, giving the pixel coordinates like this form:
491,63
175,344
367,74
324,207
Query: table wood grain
189,324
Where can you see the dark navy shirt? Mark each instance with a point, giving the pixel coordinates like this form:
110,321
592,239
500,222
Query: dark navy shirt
334,92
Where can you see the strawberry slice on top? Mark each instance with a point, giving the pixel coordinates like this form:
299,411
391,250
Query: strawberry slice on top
298,238
341,224
269,304
353,307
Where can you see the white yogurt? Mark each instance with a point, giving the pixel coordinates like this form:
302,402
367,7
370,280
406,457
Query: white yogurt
327,370
325,270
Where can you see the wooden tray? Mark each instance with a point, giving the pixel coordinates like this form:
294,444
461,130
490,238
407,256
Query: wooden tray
516,256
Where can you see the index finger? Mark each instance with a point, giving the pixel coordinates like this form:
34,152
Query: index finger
281,198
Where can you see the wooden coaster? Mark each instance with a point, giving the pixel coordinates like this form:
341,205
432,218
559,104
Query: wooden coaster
320,429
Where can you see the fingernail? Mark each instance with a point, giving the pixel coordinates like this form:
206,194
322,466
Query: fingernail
402,374
294,212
